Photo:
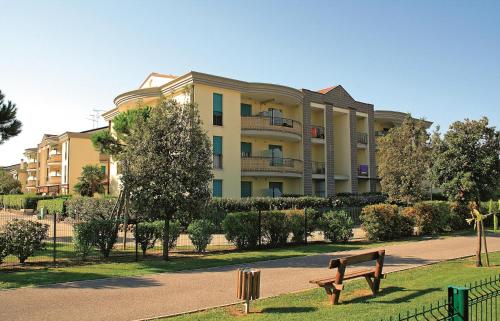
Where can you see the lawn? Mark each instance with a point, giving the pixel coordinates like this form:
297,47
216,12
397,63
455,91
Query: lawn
40,275
401,291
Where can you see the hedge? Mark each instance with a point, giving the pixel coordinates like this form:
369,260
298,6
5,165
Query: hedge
54,206
87,208
22,201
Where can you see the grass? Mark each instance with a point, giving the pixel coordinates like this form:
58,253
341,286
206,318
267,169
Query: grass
401,292
33,275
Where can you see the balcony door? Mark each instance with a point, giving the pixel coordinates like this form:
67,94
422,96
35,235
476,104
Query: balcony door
275,189
276,152
276,116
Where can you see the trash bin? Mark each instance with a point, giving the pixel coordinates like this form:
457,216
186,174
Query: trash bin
248,286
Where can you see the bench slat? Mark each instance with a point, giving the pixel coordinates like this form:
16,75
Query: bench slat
347,276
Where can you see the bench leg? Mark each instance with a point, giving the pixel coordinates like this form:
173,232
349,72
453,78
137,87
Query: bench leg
376,285
370,284
333,294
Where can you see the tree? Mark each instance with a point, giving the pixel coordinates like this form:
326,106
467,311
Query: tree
9,125
404,160
170,163
466,161
91,181
466,166
8,184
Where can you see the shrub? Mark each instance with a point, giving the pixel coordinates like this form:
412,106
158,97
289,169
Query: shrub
25,237
102,234
275,228
53,206
337,226
383,222
242,229
200,234
459,213
3,247
88,208
429,217
297,223
174,230
23,201
147,233
83,238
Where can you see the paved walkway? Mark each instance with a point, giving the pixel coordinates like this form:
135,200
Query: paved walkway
168,293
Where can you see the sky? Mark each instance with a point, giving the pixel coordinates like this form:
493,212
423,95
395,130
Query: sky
59,60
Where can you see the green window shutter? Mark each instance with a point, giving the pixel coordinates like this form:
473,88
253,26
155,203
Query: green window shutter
217,145
103,169
246,149
217,101
217,188
246,189
246,110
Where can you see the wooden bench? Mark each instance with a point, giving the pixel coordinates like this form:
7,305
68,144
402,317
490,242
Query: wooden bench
333,285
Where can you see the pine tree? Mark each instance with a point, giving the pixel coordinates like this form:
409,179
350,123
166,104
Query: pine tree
9,125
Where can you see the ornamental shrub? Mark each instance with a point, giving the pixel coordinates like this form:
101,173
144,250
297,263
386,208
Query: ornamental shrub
3,247
147,233
24,238
88,208
429,217
83,238
242,229
297,223
337,226
383,222
275,228
200,234
53,206
105,234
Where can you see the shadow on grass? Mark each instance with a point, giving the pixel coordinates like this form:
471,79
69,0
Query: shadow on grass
407,297
289,310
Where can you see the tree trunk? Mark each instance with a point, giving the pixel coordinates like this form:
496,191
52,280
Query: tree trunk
166,232
479,241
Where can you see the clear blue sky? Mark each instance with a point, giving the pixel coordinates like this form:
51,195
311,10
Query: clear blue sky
60,59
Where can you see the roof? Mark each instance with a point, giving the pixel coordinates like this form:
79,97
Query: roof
327,90
94,129
157,74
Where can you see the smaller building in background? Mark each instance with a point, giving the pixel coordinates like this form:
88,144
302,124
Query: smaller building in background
18,172
56,164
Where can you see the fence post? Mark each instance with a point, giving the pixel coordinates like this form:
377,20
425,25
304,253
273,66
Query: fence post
136,244
305,225
54,243
458,298
260,228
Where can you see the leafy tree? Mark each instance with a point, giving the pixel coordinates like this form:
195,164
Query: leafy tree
170,163
9,125
404,161
91,181
8,184
466,160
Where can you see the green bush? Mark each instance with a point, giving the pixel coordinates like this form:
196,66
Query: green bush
174,231
53,206
275,228
3,247
102,234
297,223
22,201
383,222
337,226
242,229
83,238
88,208
459,213
147,233
429,217
24,238
200,234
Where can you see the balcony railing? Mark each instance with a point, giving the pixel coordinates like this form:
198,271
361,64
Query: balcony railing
271,123
271,164
55,158
318,168
54,179
380,133
31,183
217,161
318,132
32,165
363,170
362,138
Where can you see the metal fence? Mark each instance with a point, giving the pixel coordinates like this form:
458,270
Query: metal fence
59,246
476,301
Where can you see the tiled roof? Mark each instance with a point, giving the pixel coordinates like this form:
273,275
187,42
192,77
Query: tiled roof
326,90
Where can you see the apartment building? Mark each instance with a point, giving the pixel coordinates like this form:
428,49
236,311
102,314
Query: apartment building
54,166
18,172
270,140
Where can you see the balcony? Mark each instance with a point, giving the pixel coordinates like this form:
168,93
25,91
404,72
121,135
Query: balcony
362,138
31,183
32,165
381,133
54,159
54,180
318,168
318,134
274,127
271,166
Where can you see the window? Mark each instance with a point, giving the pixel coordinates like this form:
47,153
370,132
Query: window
217,151
276,152
275,189
246,110
246,189
217,109
246,149
103,169
217,188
